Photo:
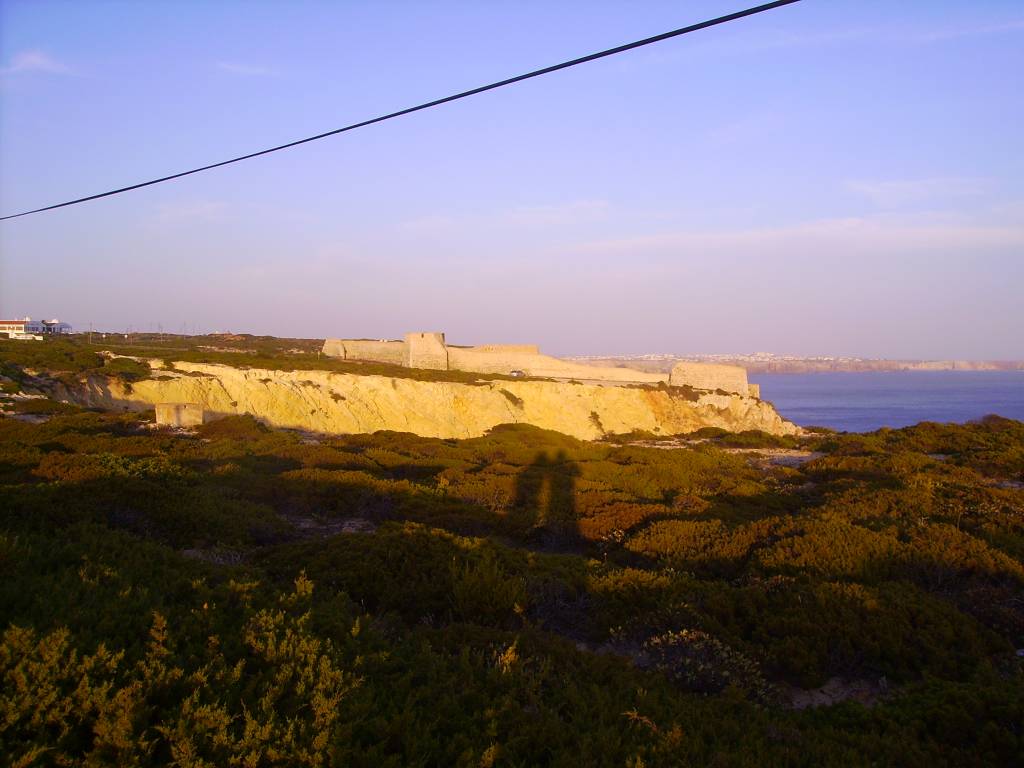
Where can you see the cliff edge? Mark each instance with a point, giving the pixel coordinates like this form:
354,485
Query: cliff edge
332,402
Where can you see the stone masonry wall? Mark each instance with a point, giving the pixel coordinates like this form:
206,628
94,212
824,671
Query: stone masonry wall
542,366
366,349
729,378
334,348
504,349
429,350
426,350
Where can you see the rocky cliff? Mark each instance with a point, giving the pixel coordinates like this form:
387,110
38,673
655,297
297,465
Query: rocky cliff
330,402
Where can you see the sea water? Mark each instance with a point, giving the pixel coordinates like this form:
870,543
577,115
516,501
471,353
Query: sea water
861,402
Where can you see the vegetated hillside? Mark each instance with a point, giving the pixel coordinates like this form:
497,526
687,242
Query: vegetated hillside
248,596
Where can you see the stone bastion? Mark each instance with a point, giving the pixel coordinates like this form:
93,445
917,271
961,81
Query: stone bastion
430,350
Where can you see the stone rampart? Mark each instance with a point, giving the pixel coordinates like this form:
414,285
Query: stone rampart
366,349
426,350
505,349
334,348
542,366
728,378
429,350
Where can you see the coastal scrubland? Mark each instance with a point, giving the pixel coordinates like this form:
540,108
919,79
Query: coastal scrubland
74,356
239,595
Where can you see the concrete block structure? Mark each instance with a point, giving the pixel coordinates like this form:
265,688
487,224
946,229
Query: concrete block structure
179,414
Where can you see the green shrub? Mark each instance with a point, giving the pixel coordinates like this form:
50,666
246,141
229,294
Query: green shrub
126,369
483,592
701,663
234,428
679,542
522,597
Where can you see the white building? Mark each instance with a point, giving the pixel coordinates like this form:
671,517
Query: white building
27,325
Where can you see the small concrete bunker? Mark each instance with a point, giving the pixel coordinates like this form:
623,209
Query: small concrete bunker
179,414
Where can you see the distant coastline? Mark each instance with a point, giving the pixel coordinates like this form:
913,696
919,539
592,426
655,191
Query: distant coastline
763,363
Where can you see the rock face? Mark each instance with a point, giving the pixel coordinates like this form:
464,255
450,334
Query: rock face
330,402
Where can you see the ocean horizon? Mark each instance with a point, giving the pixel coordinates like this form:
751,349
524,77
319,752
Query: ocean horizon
866,401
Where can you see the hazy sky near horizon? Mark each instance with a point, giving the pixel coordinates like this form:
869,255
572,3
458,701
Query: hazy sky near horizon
833,177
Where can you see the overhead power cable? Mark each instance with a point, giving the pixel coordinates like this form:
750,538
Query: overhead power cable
428,105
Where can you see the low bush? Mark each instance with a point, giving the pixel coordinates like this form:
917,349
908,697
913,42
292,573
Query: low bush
523,597
127,369
703,664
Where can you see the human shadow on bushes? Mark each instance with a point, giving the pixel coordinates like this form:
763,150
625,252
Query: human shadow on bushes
545,499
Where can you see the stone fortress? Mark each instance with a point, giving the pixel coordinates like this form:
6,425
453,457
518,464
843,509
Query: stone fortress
431,351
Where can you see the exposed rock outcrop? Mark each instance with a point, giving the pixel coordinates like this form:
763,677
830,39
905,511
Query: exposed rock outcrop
330,402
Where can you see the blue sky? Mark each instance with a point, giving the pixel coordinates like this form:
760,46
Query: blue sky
833,177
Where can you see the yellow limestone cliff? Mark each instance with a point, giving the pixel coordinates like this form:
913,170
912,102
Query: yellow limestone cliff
329,402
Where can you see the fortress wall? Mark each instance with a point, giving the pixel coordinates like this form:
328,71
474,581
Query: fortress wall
334,348
472,359
730,378
366,349
543,366
556,368
627,375
504,349
754,390
379,351
426,350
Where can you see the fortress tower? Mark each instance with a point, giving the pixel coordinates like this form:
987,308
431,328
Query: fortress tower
426,350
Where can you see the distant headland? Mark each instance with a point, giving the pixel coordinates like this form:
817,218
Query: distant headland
766,362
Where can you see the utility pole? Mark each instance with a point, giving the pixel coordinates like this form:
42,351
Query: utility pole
90,334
